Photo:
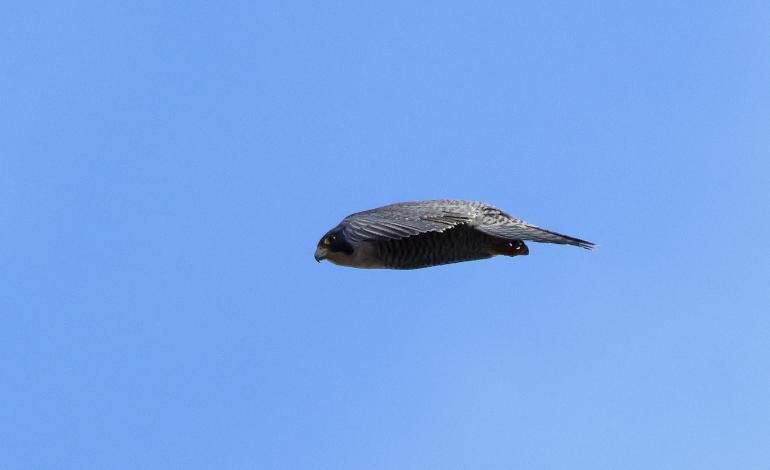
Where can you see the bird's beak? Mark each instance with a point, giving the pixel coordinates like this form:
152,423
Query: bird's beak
320,253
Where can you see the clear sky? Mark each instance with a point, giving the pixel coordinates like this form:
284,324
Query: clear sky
167,168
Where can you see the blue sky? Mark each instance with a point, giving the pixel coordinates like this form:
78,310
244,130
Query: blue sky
166,169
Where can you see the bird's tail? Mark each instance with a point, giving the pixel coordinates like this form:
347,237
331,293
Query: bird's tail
520,230
548,236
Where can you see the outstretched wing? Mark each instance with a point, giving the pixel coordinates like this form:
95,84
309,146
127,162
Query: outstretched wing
407,219
500,224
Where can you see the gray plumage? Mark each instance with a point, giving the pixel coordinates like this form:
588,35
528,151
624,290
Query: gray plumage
419,234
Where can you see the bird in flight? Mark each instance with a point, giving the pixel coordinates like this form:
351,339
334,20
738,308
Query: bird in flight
420,234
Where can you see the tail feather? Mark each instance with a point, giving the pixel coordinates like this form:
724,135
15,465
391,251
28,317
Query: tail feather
520,230
554,237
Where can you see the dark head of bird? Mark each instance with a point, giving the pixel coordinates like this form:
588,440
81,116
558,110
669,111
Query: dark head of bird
333,246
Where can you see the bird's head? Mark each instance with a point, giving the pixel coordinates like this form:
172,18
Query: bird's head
334,247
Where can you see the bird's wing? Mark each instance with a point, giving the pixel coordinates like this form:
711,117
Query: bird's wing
407,219
499,224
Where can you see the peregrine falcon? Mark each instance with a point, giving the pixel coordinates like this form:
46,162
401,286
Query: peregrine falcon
411,235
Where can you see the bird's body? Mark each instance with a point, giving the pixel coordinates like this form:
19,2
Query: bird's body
420,234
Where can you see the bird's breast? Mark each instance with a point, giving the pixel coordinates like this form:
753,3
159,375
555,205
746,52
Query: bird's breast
364,256
454,245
